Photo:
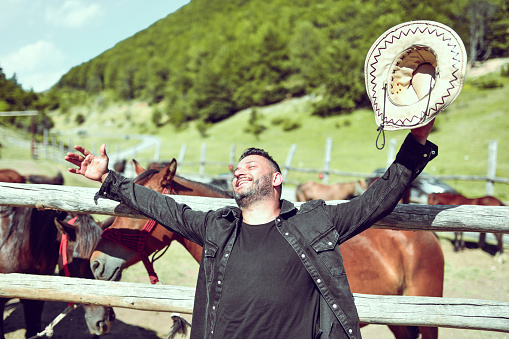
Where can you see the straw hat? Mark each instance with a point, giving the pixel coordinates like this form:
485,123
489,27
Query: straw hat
413,71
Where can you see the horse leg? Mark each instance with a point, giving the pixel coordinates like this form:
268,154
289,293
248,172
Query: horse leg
482,240
405,332
33,312
428,332
2,308
500,256
459,244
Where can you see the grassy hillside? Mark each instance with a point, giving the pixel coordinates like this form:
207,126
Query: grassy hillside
463,133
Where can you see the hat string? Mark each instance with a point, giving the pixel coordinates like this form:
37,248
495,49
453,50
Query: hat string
380,128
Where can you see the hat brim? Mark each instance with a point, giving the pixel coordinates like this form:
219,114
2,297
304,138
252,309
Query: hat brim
393,66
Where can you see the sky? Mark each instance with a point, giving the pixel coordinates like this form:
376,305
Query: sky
41,40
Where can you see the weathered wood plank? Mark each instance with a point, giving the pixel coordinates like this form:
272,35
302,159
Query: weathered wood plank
435,312
88,291
373,309
410,217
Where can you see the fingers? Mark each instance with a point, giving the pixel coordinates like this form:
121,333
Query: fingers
74,159
82,150
102,151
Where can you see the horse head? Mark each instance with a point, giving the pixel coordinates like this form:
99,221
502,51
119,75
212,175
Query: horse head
78,239
111,256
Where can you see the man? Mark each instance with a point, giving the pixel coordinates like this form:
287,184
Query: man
268,269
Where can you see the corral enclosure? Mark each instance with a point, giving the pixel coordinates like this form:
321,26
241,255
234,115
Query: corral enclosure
488,215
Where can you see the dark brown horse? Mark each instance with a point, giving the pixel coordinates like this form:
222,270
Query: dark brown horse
339,191
377,261
30,242
44,179
458,199
9,175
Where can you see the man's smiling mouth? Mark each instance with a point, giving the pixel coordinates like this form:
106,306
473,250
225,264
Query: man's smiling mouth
242,182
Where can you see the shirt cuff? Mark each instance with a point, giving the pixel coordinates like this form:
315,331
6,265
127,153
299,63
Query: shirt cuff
109,187
414,155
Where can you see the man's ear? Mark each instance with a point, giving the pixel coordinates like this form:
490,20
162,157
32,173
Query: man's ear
277,179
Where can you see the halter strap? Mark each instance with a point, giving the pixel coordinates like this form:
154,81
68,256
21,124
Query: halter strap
135,241
63,249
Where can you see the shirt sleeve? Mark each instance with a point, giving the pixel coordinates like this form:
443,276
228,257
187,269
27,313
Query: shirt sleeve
179,218
383,195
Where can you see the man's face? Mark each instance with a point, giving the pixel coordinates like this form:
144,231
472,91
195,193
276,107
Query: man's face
252,180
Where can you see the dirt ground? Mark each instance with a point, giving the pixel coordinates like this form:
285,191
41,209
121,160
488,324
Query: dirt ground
472,274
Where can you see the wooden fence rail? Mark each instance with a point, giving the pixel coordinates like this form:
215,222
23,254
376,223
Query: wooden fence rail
372,309
410,217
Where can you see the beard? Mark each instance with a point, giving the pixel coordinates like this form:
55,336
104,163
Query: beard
261,188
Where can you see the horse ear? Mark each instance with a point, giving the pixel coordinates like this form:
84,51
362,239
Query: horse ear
137,167
66,228
173,167
169,172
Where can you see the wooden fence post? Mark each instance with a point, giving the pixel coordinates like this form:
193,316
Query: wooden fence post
492,167
288,161
327,160
46,143
54,149
203,158
157,152
61,152
182,154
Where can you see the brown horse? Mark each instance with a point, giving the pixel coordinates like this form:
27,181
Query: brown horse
377,261
44,179
458,199
109,259
339,191
9,175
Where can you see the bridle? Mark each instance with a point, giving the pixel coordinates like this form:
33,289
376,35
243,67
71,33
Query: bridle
135,240
63,249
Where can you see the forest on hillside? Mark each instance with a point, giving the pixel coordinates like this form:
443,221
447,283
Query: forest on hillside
14,98
212,58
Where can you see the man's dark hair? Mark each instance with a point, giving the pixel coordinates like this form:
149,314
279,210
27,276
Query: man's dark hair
262,153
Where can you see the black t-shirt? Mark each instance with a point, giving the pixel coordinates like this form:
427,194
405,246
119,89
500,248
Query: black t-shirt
267,292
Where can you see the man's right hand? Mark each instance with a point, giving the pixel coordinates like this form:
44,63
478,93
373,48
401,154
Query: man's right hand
90,166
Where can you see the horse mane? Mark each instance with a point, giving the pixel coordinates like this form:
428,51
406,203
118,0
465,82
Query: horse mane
211,187
19,214
87,237
144,176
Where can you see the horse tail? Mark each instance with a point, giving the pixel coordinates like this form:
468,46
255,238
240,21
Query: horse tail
180,326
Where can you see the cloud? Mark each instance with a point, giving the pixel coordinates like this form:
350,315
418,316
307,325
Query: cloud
37,65
73,14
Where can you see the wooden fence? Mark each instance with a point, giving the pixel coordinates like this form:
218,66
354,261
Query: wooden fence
395,310
57,152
